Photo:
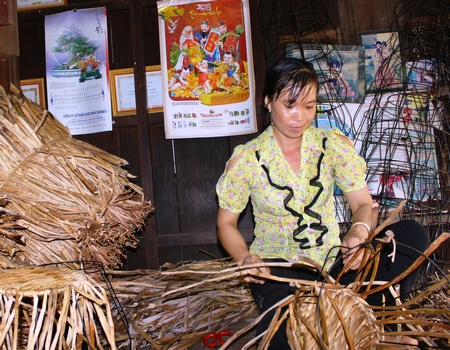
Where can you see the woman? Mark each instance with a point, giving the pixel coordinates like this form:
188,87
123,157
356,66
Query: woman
289,172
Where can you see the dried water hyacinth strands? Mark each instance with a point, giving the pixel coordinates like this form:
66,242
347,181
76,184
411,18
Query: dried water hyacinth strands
342,319
326,316
174,308
323,317
49,307
165,316
75,201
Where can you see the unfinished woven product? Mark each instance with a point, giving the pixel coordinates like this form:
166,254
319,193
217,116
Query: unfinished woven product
50,307
331,319
74,201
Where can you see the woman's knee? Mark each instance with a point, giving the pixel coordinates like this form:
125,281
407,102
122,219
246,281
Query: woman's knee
412,233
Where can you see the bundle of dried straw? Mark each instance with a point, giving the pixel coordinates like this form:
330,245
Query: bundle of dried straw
49,307
74,201
174,308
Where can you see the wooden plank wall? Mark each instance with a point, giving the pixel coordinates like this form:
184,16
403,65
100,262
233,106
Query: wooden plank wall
178,176
9,44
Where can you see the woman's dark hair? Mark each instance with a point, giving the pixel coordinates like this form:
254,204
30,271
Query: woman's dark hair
291,73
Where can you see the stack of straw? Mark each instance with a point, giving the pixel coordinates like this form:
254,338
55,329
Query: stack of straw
75,201
176,307
50,307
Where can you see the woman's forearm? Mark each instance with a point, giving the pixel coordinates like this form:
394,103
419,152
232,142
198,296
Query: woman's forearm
233,242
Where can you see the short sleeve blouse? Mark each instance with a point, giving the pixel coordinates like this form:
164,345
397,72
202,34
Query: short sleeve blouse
294,213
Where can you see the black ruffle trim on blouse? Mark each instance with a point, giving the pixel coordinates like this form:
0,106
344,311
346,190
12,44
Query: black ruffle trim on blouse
304,242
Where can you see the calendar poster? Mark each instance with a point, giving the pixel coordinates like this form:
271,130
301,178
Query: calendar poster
76,44
207,68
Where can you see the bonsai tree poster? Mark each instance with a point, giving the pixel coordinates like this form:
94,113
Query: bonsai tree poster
76,44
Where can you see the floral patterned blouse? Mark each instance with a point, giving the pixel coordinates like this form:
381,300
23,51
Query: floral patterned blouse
294,214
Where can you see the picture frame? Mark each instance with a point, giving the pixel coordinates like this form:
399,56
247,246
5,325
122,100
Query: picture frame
23,5
123,93
383,64
340,69
421,74
34,89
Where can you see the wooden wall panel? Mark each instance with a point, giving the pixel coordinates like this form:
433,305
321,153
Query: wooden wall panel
120,45
129,150
361,15
165,184
151,38
32,49
107,141
199,163
8,29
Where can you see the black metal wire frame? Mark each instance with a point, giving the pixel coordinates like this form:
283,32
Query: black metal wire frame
420,133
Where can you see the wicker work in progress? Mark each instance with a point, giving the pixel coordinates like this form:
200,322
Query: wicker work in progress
49,307
342,319
71,200
331,316
176,307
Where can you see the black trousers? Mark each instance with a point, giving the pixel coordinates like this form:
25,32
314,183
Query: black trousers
412,239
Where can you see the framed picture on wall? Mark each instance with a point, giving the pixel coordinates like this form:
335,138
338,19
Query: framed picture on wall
33,4
382,60
421,74
34,90
340,70
123,94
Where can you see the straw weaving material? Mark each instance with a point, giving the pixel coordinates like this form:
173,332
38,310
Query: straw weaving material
49,307
72,200
342,319
176,307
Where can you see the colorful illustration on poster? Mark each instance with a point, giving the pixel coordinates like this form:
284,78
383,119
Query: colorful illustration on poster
206,56
205,48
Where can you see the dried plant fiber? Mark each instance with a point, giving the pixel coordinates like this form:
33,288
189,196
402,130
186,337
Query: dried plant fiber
71,200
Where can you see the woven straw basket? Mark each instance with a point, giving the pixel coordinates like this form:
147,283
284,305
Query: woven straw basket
336,318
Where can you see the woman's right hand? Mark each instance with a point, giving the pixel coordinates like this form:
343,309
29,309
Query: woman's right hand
254,259
235,245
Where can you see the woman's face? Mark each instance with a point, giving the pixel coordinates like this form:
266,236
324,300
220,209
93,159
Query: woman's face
292,119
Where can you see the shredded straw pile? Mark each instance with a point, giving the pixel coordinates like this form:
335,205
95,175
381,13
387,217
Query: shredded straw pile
71,200
50,307
175,307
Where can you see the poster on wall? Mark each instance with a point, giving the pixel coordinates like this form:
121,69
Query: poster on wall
382,60
340,70
206,68
76,44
